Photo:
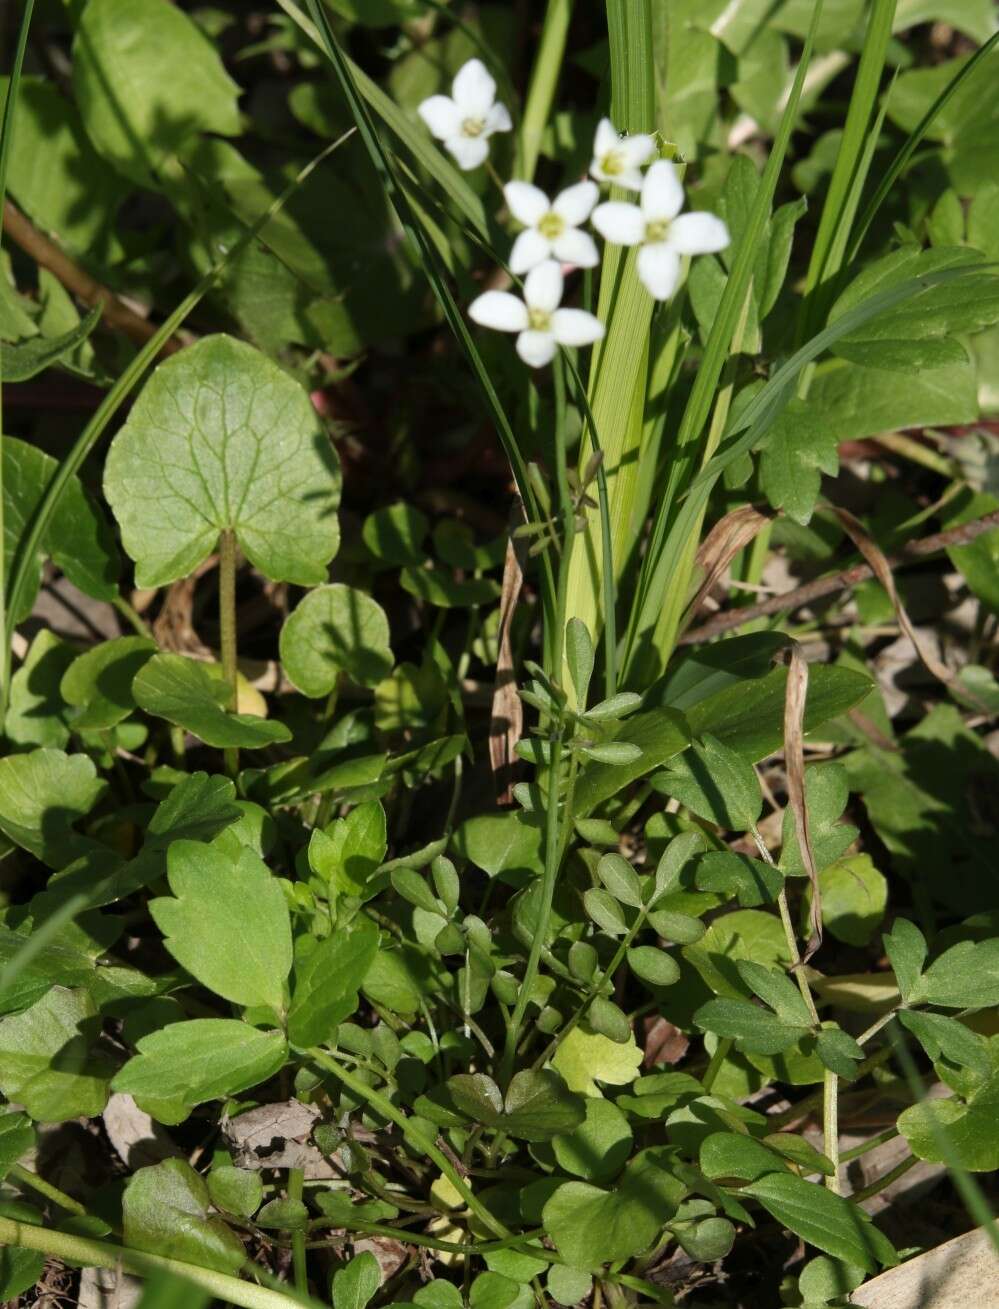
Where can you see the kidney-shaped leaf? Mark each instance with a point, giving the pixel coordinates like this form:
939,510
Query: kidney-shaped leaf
335,628
220,439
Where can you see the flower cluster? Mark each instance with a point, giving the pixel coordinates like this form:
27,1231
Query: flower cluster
553,239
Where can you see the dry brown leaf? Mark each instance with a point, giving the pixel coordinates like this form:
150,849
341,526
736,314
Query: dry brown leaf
795,696
507,722
728,536
278,1136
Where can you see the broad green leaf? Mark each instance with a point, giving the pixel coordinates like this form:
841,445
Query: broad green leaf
776,990
947,1039
591,1227
800,448
538,1104
599,1147
579,658
827,790
854,896
204,1059
748,1025
749,716
964,977
78,537
36,713
243,956
653,965
585,1058
49,1060
17,1137
134,115
349,851
659,734
99,682
965,1133
327,980
222,439
913,339
42,794
751,881
838,1051
184,692
335,629
508,845
824,1280
715,782
732,1155
236,1190
39,967
20,1269
356,1284
823,1219
165,1211
743,934
568,1286
620,879
395,535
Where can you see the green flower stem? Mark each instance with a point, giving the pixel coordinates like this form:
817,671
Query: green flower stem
296,1185
544,80
715,1062
830,1127
101,1254
888,1134
227,631
27,1178
413,1133
885,1179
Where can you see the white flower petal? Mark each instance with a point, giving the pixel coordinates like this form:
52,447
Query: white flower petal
659,269
469,151
637,150
474,89
698,234
441,115
499,310
527,203
543,286
575,203
630,179
605,138
536,348
619,222
662,194
576,327
575,247
498,120
529,249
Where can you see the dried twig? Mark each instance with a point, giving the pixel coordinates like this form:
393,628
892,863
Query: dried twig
507,723
78,281
847,577
794,763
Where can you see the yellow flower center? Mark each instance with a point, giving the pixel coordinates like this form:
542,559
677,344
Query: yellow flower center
658,230
539,320
473,127
612,163
552,225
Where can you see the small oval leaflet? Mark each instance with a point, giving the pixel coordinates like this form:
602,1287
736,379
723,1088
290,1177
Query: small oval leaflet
222,438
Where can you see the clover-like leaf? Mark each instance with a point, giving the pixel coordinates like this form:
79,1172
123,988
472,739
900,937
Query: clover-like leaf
955,1131
335,628
585,1058
184,692
228,925
222,439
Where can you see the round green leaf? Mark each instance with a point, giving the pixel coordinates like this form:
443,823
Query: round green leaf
335,627
568,1285
220,439
236,1190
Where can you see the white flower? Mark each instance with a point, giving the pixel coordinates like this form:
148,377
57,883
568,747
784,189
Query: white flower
552,225
619,159
654,226
541,324
466,118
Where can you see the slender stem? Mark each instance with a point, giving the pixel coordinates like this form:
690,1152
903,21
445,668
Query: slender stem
888,1134
874,1028
227,631
296,1185
131,616
102,1254
27,1178
414,1132
830,1127
715,1063
885,1179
